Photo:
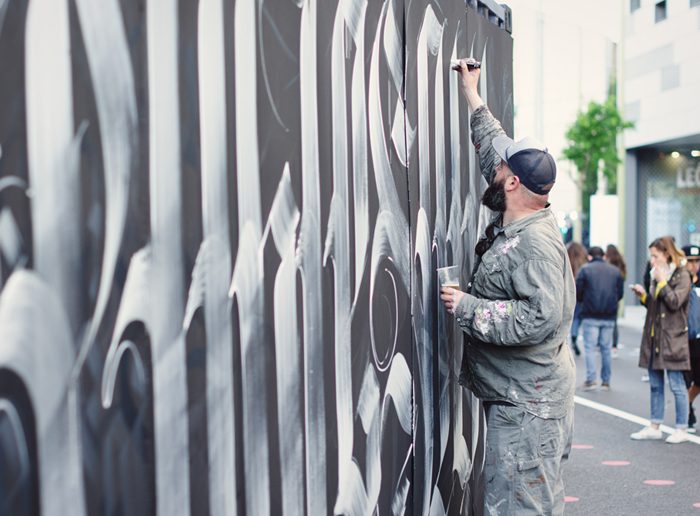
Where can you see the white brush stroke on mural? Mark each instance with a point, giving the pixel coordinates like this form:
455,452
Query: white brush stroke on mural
399,389
283,222
37,345
391,232
421,308
52,156
133,306
429,41
337,250
216,251
428,45
439,247
402,136
309,256
11,242
247,294
393,45
355,11
461,462
171,428
112,78
10,237
368,407
248,279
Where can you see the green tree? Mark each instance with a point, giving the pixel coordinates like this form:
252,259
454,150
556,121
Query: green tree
593,139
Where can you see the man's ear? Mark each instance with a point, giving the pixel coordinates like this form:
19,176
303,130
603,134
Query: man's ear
512,183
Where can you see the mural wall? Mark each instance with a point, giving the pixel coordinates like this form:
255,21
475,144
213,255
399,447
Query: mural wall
219,228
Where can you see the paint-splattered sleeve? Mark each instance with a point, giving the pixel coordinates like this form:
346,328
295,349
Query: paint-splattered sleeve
485,128
525,321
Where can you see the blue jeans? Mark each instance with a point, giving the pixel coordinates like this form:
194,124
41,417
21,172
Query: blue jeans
598,332
576,322
523,462
676,381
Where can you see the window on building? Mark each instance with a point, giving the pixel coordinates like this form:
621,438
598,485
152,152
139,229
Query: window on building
634,5
660,12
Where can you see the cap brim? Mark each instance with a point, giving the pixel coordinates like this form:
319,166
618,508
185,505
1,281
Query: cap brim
501,144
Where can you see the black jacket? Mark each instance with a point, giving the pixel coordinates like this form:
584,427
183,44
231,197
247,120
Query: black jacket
599,287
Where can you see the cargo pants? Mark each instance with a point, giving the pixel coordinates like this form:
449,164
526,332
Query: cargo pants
524,459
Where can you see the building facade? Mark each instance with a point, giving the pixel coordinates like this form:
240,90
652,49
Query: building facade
661,96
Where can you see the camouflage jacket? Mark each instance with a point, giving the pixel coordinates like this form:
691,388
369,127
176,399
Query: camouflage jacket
520,308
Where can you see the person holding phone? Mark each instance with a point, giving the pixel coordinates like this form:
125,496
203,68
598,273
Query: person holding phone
664,344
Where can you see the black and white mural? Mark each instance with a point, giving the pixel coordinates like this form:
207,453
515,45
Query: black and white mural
219,227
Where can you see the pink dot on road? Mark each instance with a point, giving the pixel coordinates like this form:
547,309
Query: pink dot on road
659,482
582,447
572,499
616,463
696,505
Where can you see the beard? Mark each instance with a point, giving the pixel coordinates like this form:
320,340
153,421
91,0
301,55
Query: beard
494,198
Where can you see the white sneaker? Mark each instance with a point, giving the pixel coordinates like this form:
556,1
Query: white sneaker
647,432
679,436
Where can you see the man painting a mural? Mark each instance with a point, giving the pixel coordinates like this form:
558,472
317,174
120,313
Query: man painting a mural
516,312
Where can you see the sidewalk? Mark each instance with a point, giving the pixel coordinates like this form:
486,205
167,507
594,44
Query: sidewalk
634,317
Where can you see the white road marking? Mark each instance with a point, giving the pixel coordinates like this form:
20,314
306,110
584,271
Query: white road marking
629,417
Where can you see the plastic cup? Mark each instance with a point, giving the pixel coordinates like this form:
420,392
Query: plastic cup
449,276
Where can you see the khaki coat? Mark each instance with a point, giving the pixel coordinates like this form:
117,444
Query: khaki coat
667,313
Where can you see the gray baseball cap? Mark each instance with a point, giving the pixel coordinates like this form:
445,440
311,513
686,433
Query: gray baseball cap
529,160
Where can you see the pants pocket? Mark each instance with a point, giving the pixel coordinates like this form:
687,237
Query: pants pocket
527,465
552,438
531,493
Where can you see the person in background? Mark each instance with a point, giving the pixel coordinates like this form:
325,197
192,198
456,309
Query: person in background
646,278
577,257
664,344
613,257
692,377
692,256
599,288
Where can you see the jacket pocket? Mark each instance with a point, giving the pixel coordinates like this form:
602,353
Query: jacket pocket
675,345
491,263
490,276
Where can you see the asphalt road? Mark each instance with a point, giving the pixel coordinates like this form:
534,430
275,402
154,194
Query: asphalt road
629,483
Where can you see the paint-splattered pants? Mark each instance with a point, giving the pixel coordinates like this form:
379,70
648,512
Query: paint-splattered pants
524,459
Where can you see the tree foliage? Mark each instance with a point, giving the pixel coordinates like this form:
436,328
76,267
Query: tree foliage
592,138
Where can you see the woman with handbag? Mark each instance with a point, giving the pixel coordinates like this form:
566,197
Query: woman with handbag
665,338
